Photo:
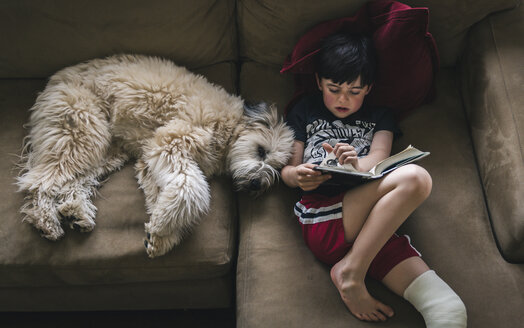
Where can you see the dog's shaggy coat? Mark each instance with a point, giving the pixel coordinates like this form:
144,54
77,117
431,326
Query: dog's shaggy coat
91,118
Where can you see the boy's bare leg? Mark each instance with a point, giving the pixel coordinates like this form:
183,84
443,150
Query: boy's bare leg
371,215
436,301
403,274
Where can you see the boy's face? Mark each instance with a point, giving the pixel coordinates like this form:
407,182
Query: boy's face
343,99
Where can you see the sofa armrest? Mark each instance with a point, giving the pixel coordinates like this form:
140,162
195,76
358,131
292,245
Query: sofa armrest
492,79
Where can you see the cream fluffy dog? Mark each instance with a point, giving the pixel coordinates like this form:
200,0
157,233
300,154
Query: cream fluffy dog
91,118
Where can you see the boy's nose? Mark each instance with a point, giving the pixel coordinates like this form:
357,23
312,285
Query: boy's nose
343,97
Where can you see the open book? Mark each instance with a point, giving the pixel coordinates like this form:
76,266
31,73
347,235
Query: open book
346,174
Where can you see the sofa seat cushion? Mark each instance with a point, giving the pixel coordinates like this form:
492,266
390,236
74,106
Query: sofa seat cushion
281,284
113,253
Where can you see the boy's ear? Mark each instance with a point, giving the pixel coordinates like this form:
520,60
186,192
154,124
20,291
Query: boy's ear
369,88
318,82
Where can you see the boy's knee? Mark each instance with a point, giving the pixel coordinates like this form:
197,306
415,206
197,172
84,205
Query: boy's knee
416,180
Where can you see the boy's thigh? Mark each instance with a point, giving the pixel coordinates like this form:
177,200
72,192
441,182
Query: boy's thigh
356,206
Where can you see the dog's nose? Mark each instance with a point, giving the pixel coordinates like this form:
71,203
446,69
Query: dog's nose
254,185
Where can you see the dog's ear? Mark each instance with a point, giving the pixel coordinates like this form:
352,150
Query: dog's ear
261,113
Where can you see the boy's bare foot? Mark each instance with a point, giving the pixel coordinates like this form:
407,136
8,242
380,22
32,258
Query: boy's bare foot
357,298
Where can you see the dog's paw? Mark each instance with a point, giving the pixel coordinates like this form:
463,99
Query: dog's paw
80,225
79,215
52,232
49,228
40,212
158,245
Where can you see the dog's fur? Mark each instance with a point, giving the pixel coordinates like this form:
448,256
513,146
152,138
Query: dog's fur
91,118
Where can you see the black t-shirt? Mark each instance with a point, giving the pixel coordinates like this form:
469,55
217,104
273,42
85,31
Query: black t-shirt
314,124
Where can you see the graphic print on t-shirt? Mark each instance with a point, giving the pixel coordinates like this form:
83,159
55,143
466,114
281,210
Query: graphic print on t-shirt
320,131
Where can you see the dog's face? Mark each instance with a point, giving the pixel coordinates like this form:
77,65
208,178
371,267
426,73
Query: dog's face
261,149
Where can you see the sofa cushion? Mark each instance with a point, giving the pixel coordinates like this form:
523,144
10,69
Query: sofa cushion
258,82
38,38
450,21
493,81
406,51
281,284
113,253
268,29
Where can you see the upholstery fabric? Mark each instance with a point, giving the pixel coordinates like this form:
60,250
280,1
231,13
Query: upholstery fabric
276,88
492,81
450,21
39,38
406,54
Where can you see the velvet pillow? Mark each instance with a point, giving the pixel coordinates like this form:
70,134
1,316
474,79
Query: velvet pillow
406,52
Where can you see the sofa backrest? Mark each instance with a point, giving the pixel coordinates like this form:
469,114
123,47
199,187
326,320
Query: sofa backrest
40,37
269,29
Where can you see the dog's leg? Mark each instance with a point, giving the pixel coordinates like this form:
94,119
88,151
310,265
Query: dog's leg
69,137
148,184
75,204
180,204
40,211
176,189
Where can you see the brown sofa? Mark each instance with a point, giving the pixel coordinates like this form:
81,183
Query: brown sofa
248,253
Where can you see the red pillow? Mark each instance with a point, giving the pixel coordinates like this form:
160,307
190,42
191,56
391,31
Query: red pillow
407,55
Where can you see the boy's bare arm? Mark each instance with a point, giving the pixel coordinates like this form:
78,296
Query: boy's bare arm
298,174
380,149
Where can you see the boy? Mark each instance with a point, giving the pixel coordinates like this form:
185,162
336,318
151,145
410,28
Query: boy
354,230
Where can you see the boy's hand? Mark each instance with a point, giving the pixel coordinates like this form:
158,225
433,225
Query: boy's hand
345,153
309,179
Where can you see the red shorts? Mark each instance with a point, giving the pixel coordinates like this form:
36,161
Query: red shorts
323,231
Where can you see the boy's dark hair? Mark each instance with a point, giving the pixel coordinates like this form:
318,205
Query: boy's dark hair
345,57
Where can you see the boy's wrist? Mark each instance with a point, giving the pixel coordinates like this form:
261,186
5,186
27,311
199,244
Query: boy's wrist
289,175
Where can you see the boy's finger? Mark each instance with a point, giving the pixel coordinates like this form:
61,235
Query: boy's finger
309,172
327,147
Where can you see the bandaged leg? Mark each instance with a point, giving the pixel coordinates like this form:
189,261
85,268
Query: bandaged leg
440,306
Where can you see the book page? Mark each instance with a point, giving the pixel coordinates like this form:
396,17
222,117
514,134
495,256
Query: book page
332,162
407,154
